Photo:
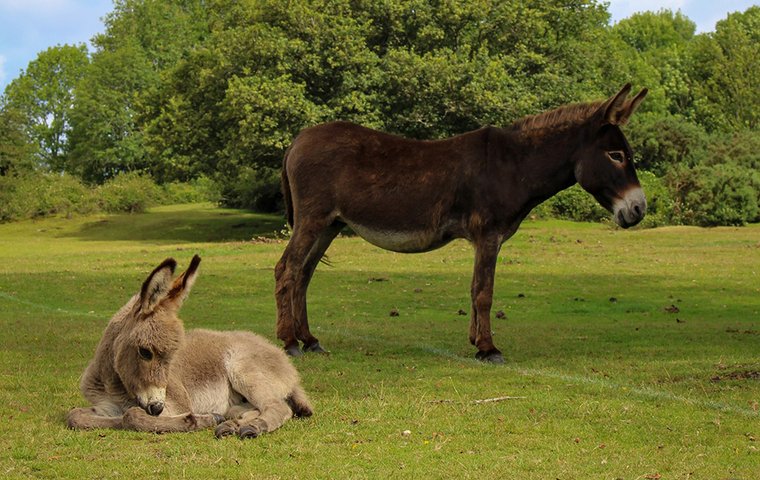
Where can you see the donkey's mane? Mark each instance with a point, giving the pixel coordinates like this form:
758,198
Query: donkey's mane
566,115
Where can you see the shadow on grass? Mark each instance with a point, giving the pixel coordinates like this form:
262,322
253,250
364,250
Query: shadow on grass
182,223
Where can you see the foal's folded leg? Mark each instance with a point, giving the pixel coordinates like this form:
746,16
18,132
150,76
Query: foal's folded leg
88,418
137,419
237,416
273,415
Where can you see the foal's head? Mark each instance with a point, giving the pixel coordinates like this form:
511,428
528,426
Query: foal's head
152,333
604,161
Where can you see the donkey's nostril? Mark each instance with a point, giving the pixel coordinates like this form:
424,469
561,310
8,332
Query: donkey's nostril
637,210
155,409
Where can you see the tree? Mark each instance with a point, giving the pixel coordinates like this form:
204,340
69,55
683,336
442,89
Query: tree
661,39
16,150
723,71
106,138
44,96
119,95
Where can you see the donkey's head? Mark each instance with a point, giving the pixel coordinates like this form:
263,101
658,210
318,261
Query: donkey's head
152,333
604,161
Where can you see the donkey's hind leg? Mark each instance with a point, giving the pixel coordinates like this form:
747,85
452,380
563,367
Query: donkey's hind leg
267,391
289,291
273,415
303,278
237,415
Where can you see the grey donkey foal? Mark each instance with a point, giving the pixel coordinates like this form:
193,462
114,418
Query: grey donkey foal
149,375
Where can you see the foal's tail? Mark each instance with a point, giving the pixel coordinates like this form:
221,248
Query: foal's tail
285,186
299,403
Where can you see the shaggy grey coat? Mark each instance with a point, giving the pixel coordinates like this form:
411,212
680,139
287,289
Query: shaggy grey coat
148,375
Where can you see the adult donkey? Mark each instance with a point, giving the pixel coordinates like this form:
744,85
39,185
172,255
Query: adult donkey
414,196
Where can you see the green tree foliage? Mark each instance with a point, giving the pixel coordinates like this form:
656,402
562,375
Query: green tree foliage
725,72
181,90
43,95
661,142
106,138
16,149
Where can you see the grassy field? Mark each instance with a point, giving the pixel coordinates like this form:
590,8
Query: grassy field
629,354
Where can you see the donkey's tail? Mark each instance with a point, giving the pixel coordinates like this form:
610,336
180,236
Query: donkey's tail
285,186
299,403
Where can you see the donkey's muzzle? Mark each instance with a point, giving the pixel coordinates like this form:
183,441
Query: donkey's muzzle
630,209
155,409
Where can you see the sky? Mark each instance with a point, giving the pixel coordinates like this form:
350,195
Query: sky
28,27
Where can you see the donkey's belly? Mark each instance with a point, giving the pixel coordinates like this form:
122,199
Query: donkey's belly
211,398
401,241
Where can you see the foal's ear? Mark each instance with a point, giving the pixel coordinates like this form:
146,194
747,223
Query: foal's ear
617,110
182,284
156,285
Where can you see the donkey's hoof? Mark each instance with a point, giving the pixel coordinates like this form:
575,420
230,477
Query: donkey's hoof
219,419
293,351
224,430
249,431
314,348
490,356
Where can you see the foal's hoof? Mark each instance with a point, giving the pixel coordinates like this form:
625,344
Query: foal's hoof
219,419
293,351
314,348
224,430
248,431
490,356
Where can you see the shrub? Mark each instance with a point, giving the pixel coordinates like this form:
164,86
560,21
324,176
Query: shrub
576,204
257,188
659,142
659,200
29,196
130,192
714,195
201,189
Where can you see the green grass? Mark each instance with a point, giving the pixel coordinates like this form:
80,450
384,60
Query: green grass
605,389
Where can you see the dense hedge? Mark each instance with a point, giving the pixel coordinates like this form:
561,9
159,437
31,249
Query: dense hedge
45,194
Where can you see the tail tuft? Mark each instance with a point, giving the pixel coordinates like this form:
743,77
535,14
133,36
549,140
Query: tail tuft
299,403
285,186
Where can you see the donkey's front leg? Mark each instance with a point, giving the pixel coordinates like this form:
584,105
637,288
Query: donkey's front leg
137,419
486,253
88,418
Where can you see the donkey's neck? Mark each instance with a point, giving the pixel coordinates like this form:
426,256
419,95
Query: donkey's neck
544,160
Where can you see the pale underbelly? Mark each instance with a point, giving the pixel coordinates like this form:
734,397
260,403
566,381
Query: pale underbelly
211,399
401,241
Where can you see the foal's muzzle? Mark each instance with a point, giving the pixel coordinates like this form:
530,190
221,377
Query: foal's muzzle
155,409
152,400
631,208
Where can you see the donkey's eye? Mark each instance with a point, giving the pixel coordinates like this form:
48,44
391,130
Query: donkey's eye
145,354
616,156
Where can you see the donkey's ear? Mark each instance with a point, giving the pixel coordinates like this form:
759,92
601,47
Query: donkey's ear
182,284
156,285
631,106
613,110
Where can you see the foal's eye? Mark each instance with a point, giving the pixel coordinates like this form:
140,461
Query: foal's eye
616,156
145,354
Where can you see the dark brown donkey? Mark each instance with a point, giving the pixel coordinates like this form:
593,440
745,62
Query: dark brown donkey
415,196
